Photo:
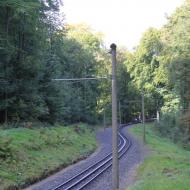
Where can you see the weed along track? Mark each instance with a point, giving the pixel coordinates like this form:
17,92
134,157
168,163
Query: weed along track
85,177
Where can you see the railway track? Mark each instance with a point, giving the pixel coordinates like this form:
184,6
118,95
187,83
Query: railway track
82,179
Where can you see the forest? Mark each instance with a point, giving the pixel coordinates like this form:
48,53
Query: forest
37,46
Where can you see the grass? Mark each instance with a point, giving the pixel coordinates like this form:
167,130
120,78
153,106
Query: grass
166,168
27,155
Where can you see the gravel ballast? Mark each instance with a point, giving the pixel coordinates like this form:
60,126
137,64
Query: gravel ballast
128,165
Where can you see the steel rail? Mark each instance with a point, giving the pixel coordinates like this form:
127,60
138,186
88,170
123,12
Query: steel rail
107,160
83,171
110,164
93,171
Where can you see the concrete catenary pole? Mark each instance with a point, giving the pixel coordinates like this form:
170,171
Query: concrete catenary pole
119,112
104,119
143,119
115,161
157,112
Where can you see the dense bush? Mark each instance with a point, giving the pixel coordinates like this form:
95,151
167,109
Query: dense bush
172,126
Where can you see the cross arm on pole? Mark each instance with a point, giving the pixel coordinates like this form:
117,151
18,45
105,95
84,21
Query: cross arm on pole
80,79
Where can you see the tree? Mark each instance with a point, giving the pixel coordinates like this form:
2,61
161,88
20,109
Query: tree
143,66
24,33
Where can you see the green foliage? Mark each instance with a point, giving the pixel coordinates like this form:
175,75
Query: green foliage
127,91
172,126
36,48
160,67
143,66
176,52
168,126
24,34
